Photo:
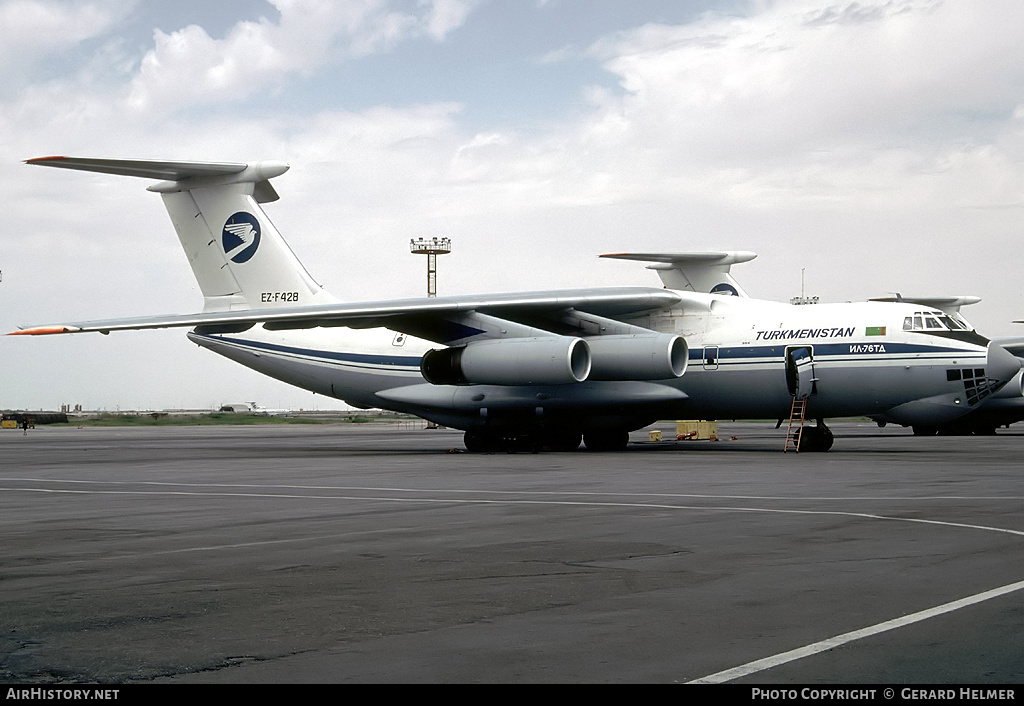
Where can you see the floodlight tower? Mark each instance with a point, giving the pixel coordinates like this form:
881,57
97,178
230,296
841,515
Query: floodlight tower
802,300
431,248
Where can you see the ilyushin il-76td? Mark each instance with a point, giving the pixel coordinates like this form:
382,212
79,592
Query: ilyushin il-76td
552,368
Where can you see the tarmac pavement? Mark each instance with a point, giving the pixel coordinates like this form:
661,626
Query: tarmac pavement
369,553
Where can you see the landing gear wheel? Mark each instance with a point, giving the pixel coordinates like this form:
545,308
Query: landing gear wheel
479,442
819,438
606,440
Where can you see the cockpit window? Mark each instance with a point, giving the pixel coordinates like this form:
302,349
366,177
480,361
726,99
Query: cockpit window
962,322
935,321
952,324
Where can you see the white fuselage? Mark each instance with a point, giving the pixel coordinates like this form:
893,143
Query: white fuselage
859,358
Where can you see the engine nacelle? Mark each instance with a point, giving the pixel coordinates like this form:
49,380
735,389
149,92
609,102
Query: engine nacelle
551,360
1014,388
656,356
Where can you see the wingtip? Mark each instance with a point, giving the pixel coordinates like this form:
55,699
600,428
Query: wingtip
43,160
43,331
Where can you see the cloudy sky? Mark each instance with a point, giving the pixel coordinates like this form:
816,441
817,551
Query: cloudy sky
875,145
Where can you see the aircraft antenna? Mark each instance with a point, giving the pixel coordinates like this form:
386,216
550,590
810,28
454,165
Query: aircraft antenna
431,248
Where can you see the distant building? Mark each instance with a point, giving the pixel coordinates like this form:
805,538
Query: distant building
239,407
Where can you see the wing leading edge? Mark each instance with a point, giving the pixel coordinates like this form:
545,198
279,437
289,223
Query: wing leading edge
430,318
148,169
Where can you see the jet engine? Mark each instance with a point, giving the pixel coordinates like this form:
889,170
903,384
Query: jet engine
1012,389
656,356
558,360
550,360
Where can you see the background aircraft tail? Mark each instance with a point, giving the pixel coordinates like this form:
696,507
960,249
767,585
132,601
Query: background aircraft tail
706,272
237,255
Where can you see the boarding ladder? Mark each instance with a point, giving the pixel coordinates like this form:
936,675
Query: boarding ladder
796,424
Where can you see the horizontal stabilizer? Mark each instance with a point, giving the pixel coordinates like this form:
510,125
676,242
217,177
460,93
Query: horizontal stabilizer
177,176
950,305
148,169
706,272
687,258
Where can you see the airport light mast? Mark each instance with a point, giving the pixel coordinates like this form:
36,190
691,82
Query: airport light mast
803,300
431,248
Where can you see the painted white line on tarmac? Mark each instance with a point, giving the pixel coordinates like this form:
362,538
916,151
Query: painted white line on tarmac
839,640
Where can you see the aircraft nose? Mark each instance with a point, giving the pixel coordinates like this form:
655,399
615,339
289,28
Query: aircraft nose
1002,365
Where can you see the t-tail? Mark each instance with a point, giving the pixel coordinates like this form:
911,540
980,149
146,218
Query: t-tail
706,272
237,255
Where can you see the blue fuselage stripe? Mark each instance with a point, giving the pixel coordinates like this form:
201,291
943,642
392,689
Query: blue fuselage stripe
391,361
822,350
892,352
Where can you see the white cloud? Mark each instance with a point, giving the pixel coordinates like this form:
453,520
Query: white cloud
188,67
801,87
444,16
35,30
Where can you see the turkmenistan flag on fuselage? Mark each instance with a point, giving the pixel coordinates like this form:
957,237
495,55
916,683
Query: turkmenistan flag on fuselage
874,331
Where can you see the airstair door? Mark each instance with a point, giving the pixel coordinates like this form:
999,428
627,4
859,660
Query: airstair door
800,371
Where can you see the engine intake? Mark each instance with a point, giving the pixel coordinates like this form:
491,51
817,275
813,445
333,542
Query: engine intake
656,356
551,360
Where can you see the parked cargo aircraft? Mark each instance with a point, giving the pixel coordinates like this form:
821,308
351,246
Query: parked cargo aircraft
551,367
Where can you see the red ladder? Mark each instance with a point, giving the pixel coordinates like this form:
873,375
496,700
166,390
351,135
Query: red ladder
796,424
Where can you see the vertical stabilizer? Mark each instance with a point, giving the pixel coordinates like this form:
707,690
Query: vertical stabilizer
237,255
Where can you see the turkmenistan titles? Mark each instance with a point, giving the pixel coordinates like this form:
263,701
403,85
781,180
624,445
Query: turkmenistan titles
788,334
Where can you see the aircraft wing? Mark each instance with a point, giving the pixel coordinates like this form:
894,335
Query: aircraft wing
1013,345
438,319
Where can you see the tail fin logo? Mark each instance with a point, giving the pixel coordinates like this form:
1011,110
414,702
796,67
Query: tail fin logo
241,237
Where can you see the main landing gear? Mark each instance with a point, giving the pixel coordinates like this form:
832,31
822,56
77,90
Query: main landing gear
816,438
